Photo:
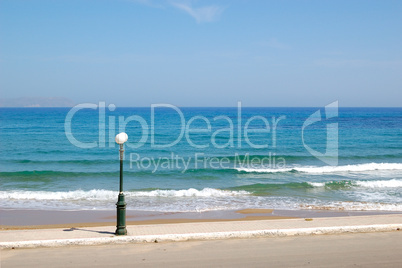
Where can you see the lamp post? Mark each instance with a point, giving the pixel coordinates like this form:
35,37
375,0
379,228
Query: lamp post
121,204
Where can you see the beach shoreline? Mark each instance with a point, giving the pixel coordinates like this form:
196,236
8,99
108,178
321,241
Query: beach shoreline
46,219
74,235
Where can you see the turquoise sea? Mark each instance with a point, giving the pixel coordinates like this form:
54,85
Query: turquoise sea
201,159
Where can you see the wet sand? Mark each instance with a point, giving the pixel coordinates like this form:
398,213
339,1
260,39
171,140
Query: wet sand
37,219
40,219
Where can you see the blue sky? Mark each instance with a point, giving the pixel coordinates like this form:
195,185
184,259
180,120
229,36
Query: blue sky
203,53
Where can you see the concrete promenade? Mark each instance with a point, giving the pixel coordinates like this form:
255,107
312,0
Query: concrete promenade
57,237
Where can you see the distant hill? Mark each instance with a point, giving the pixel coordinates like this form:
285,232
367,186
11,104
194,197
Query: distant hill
36,102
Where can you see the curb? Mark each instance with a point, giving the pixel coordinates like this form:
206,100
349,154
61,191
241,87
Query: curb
200,236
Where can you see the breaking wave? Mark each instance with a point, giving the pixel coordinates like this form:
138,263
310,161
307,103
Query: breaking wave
328,169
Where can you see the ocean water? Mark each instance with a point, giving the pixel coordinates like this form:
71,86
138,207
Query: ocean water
201,159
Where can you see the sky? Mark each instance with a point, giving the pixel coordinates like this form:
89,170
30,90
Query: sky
203,53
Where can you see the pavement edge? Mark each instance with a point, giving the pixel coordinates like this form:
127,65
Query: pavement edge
201,236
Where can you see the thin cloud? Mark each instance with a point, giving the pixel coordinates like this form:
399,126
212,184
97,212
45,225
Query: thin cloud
201,14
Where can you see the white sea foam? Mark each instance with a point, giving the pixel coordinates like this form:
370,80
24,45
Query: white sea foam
70,195
111,195
264,170
380,184
329,169
207,199
206,192
394,183
354,206
317,184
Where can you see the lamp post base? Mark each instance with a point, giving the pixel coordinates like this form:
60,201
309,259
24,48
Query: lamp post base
121,216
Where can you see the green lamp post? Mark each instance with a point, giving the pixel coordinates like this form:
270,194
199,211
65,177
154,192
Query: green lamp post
121,204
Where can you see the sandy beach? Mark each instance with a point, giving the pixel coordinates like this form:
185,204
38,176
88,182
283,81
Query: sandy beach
362,250
33,219
250,237
40,219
